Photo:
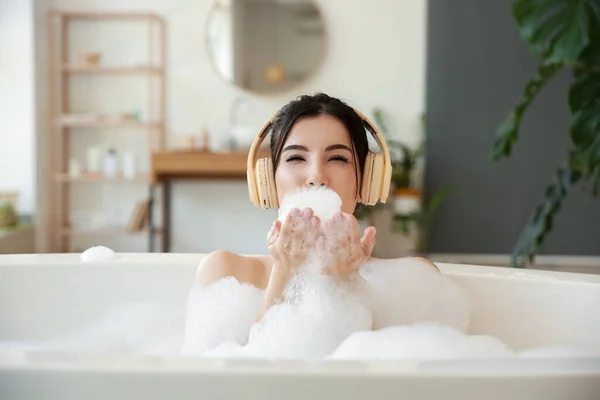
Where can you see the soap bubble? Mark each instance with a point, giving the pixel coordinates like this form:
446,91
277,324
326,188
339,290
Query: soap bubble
97,253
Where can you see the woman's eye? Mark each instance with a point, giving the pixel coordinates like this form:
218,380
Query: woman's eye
339,158
294,158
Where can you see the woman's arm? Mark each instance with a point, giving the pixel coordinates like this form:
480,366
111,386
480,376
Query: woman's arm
274,293
224,302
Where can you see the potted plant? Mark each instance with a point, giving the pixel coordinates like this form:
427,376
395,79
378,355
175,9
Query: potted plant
563,34
8,213
409,215
405,197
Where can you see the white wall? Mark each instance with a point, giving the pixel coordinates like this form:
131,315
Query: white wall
17,123
375,57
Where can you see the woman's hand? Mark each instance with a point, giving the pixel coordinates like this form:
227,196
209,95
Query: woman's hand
291,241
340,246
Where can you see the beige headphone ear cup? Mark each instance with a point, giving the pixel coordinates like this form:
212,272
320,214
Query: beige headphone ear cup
365,189
272,188
386,181
377,173
372,179
265,183
261,182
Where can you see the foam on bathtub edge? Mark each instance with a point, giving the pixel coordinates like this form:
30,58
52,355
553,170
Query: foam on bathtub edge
98,253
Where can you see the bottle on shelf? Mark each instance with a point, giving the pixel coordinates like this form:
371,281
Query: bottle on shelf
93,161
205,137
74,169
111,163
129,165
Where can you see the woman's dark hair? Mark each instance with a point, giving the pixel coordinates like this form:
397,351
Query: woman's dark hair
313,106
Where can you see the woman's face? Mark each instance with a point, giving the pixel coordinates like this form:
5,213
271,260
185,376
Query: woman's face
317,152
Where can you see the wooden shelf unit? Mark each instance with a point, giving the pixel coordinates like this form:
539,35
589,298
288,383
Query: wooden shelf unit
108,231
66,178
84,69
108,124
59,71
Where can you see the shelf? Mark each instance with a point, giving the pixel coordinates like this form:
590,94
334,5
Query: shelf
91,15
108,124
85,69
200,165
61,178
66,231
67,70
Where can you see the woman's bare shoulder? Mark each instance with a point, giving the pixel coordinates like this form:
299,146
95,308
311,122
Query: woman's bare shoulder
221,264
426,261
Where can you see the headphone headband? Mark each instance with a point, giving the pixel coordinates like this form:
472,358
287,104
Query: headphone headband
385,168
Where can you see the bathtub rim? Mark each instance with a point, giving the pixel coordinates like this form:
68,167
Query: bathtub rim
49,361
188,259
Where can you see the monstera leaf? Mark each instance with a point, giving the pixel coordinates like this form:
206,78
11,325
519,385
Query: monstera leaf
557,30
564,34
584,101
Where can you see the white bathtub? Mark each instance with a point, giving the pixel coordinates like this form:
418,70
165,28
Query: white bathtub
45,296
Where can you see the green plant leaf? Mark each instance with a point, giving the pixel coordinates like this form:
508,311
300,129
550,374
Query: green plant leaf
541,222
402,223
508,132
585,127
584,90
585,135
556,30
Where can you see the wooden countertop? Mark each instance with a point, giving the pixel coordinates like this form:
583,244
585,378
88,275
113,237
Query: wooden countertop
199,165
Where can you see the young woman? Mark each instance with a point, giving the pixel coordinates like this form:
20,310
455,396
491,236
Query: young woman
316,141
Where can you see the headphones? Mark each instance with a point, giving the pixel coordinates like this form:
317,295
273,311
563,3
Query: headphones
377,171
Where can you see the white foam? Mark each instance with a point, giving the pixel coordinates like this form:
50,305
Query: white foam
321,313
419,342
220,313
322,200
141,327
408,291
559,352
97,253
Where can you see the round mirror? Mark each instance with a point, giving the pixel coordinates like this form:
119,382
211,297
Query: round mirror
265,46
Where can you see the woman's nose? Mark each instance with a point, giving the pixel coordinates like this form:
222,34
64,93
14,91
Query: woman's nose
317,178
316,183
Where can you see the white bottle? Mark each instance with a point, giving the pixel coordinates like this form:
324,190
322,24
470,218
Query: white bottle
93,160
74,170
129,165
111,163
